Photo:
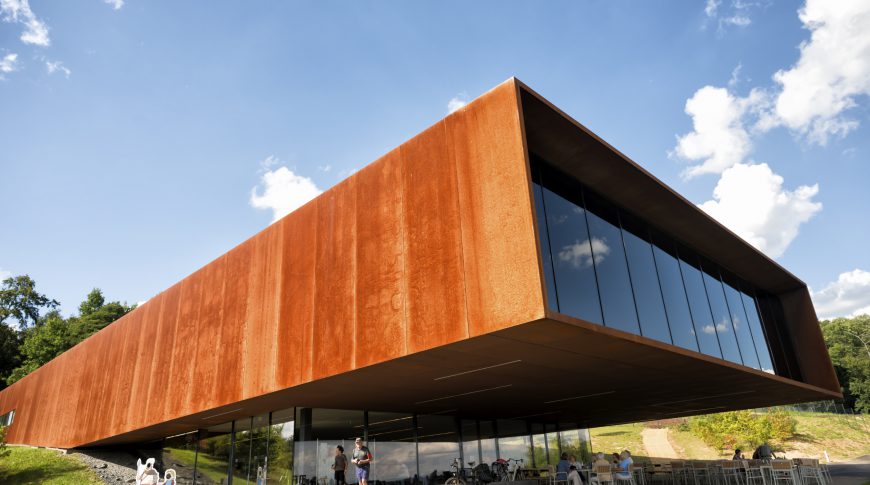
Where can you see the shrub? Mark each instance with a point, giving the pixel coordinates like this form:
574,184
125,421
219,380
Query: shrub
782,425
3,450
742,429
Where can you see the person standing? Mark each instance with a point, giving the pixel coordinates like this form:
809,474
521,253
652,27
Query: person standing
340,465
362,458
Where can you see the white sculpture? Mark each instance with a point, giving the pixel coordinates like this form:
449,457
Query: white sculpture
169,477
145,472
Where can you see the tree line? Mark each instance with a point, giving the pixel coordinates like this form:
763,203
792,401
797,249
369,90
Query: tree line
848,342
33,331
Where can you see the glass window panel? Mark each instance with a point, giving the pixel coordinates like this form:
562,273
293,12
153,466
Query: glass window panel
178,453
758,334
608,255
645,281
674,293
470,450
544,240
553,447
259,442
514,442
539,448
391,441
437,447
741,326
242,452
576,289
488,452
212,461
721,317
575,442
280,461
318,432
705,330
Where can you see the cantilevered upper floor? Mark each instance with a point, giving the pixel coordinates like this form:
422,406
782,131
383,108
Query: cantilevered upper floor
504,262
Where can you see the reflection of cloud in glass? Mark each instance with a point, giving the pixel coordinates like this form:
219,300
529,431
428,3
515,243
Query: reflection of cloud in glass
393,460
720,326
736,322
558,219
580,254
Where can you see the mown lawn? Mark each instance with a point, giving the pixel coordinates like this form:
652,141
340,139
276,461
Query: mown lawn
41,466
610,439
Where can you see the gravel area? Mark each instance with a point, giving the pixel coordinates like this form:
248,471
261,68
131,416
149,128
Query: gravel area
113,467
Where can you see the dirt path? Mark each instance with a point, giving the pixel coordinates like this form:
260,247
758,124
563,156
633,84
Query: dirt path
657,445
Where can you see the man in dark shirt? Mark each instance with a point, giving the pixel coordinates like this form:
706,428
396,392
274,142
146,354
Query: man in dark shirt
763,452
340,465
362,458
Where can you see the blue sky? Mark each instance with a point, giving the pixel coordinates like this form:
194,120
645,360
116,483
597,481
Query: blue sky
140,140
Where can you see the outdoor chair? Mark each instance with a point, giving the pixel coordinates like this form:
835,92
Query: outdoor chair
680,472
810,471
783,471
732,472
826,473
602,475
700,474
754,473
554,478
639,473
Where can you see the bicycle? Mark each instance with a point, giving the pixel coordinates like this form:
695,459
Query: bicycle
456,467
517,472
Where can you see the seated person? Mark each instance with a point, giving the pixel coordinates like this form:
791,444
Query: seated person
763,452
738,455
600,460
574,477
563,467
614,458
625,463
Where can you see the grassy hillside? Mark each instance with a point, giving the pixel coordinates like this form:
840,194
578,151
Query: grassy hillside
611,439
41,466
844,437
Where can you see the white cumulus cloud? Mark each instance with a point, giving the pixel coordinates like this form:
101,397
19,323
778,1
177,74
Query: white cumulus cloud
809,98
4,274
18,11
57,66
116,4
849,296
9,63
832,71
457,102
718,139
750,200
281,190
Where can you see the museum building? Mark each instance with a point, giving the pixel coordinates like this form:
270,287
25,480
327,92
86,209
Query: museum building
491,288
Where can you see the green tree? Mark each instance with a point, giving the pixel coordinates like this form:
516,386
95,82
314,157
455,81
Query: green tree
95,314
53,334
848,341
20,301
10,352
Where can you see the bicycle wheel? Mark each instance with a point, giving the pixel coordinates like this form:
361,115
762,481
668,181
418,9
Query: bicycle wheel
454,481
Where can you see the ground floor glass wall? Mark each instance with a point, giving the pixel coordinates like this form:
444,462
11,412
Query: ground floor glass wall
297,446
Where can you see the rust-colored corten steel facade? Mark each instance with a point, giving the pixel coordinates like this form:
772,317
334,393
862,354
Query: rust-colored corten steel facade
418,285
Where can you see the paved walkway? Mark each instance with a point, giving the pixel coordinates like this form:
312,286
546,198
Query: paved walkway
657,445
854,472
